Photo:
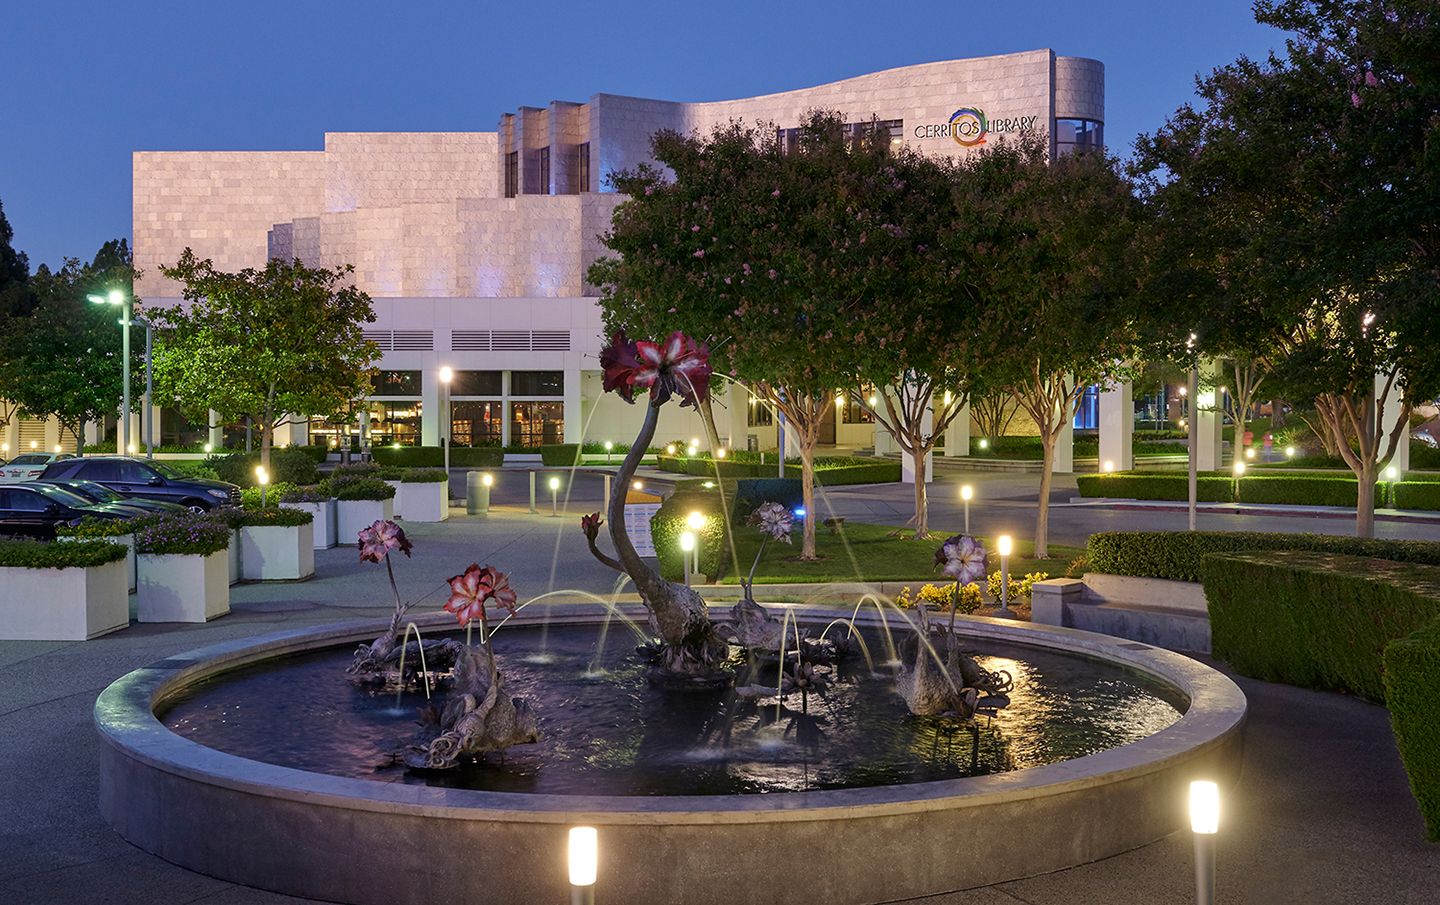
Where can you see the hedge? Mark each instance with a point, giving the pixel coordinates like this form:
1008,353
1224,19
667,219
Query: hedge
1306,490
564,455
24,553
288,465
1177,555
1412,673
360,488
749,493
1211,486
671,521
1417,494
412,456
831,471
424,476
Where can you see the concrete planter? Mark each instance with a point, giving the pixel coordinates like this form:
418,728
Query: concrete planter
427,502
277,552
353,516
398,499
128,541
323,524
74,604
182,587
233,569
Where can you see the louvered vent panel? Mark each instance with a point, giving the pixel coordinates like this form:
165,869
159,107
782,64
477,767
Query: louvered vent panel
510,341
413,341
32,430
380,337
550,340
470,341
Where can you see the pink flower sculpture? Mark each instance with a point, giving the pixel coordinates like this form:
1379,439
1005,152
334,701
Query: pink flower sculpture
590,524
774,520
470,589
379,539
963,557
679,366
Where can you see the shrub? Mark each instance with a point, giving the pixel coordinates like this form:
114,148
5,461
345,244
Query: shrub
1417,494
285,518
306,494
1210,486
1177,555
184,534
31,554
560,455
670,522
751,492
193,469
425,476
940,597
91,528
357,487
1020,588
412,456
250,496
1412,673
1302,490
476,457
316,452
288,465
1078,567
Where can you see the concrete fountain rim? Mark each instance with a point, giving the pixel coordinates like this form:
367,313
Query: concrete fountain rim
125,718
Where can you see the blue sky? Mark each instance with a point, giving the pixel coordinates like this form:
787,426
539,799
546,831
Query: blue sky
84,83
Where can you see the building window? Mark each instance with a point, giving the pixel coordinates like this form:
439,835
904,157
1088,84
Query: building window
512,174
1073,135
537,423
853,412
760,414
397,383
582,167
537,383
891,131
545,171
395,422
1087,413
475,383
475,423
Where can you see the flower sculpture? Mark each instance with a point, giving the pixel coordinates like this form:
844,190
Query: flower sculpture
964,559
774,520
472,588
375,544
692,655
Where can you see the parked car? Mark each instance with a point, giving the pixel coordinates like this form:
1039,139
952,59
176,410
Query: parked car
146,479
33,509
29,466
99,493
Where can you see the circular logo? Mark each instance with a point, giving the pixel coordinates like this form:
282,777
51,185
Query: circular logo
968,127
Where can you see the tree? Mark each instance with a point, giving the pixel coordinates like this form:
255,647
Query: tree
1303,207
66,355
774,252
274,345
1046,243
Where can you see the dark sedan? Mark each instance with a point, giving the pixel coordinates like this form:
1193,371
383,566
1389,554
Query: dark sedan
146,479
99,493
34,509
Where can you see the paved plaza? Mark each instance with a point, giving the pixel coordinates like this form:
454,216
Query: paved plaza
1322,813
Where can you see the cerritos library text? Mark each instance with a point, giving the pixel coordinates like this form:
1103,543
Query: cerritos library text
474,245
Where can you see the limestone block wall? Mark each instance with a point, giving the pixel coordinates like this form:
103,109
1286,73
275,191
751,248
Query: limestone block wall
1079,88
386,169
220,204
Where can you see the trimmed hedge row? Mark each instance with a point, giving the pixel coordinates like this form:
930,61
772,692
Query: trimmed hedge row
1177,555
1419,492
671,521
1210,486
1340,623
831,471
288,465
32,554
1412,673
434,456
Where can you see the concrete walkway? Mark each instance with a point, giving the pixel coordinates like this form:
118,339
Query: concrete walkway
1323,812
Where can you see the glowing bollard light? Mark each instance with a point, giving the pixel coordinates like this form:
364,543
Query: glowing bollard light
687,544
720,453
1290,452
477,493
554,497
1109,466
1003,544
584,864
264,480
608,446
696,521
965,494
1205,824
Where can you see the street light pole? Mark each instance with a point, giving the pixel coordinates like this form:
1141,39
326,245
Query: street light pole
117,297
445,425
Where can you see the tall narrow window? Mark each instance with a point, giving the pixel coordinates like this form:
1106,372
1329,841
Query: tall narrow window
512,174
583,168
545,171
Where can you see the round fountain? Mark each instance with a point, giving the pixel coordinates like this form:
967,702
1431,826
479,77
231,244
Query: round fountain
346,839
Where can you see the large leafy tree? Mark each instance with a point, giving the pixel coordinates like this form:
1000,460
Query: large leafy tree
16,300
272,345
1301,214
773,250
65,355
1046,244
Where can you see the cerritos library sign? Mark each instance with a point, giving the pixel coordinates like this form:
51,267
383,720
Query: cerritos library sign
969,126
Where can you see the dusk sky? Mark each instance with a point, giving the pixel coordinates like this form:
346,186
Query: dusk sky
86,83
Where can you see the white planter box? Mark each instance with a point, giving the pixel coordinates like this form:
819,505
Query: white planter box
323,525
63,604
354,516
277,552
398,500
427,502
182,587
131,569
233,569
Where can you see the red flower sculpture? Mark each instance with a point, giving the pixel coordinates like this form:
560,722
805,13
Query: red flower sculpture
470,589
379,539
679,366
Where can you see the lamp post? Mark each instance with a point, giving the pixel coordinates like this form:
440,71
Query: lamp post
608,446
1239,471
687,543
445,425
584,858
1004,544
696,521
554,497
1204,823
965,494
116,297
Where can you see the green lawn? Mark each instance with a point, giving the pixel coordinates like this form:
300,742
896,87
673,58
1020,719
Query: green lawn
867,553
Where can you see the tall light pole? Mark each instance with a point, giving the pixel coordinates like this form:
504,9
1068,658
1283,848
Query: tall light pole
445,425
117,297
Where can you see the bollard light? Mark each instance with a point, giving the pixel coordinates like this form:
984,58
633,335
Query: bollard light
1003,544
264,480
57,449
208,447
1109,466
1390,472
1204,823
720,453
687,544
691,450
695,441
584,864
1290,451
670,449
33,445
1250,453
131,448
554,497
695,520
608,446
984,443
965,494
1239,469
